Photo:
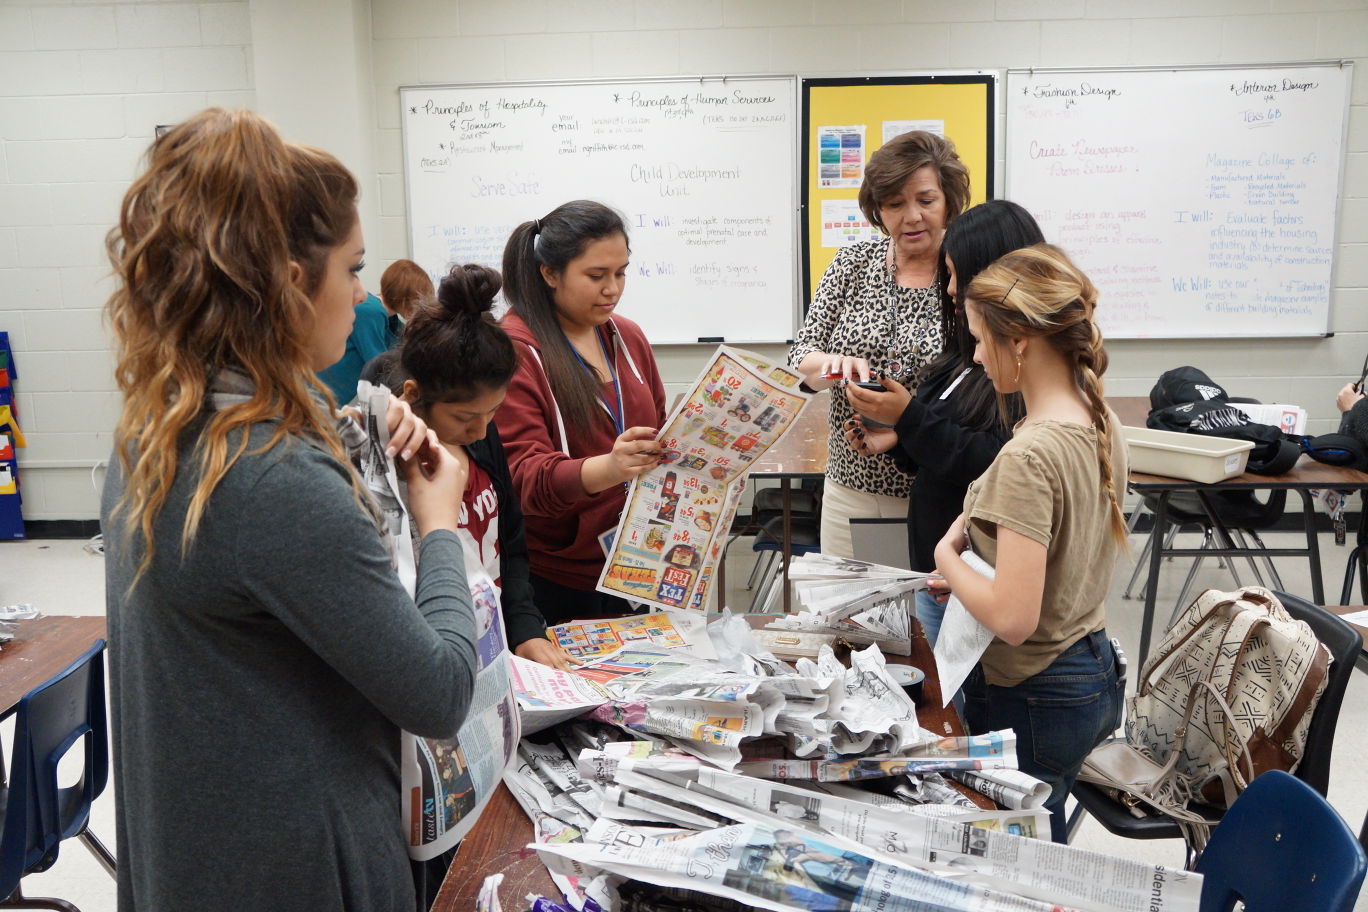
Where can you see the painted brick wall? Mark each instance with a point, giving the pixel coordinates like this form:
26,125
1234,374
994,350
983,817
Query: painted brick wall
82,88
437,41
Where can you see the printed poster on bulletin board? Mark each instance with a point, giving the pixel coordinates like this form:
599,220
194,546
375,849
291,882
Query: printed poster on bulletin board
678,515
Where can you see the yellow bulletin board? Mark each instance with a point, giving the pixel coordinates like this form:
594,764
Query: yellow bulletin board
845,120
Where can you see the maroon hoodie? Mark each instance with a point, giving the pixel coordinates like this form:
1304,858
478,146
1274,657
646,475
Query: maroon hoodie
563,522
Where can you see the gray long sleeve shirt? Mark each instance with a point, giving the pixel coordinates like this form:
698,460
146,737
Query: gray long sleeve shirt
258,686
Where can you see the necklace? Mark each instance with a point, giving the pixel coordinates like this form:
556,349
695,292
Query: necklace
619,417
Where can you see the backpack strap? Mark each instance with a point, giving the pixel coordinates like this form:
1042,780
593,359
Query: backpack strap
1156,660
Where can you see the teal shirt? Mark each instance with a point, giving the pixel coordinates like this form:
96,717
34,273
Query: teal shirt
370,335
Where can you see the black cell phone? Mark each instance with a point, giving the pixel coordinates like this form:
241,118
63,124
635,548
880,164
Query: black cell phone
872,385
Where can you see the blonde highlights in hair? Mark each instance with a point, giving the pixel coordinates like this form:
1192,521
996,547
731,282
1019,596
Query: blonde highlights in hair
219,246
1037,292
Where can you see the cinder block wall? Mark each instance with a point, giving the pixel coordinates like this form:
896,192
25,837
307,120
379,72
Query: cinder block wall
82,85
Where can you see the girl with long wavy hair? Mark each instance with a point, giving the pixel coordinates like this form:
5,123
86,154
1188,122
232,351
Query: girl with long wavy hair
1045,516
263,654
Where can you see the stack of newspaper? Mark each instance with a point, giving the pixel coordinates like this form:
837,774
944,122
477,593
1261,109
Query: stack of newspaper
859,602
608,812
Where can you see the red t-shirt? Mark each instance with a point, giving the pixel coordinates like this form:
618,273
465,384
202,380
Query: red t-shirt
479,523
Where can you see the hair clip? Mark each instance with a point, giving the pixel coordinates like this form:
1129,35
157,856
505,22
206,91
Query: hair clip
536,226
1003,302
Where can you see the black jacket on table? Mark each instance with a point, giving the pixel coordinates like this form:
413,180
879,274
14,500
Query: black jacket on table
522,620
945,457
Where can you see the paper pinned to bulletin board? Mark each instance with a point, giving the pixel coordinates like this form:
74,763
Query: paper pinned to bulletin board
847,119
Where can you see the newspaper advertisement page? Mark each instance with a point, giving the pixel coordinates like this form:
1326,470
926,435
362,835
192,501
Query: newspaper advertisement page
1012,863
677,515
447,782
595,639
548,695
784,869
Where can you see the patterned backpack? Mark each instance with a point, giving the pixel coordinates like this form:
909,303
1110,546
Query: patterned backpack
1245,677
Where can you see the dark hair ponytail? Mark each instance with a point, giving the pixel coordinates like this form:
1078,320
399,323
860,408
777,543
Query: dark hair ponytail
553,241
972,242
452,347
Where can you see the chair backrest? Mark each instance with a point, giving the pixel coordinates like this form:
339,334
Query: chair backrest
1281,846
1344,643
880,540
48,721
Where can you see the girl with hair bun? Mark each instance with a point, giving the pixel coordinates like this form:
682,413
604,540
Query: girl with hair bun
1045,515
585,404
263,654
456,365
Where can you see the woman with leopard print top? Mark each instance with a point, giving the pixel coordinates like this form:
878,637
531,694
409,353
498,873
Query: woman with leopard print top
876,313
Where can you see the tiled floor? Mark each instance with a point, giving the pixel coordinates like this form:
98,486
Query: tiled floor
59,577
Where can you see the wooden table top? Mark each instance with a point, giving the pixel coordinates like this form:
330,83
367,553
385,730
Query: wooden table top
497,842
41,648
1341,610
1306,474
802,453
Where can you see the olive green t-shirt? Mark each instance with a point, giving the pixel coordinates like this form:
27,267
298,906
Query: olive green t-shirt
1046,485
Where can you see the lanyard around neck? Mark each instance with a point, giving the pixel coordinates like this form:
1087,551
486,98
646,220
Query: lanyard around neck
619,418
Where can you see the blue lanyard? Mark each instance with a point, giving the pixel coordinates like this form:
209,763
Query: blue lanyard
620,416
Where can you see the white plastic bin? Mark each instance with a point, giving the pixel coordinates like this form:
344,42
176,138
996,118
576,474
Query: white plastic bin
1190,456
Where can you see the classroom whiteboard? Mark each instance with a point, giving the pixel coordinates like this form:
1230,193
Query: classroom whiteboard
1202,202
703,170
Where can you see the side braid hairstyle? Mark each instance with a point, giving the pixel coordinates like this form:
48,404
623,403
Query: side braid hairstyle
1037,292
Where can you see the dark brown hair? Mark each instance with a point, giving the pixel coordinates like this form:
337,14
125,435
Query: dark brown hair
204,251
553,241
403,286
896,160
452,347
978,237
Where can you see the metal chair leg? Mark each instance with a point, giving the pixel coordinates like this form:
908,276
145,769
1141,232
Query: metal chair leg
1182,594
1141,564
755,571
1347,593
97,848
1268,562
1241,536
1168,543
17,900
1238,537
765,581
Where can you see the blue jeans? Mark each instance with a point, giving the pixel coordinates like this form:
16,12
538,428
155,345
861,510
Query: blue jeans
930,612
1059,715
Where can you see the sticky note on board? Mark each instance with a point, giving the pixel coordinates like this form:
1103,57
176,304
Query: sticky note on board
6,451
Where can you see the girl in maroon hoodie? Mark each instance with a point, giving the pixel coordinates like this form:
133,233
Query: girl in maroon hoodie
583,409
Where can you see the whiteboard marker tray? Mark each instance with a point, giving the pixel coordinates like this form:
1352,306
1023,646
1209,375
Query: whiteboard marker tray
1189,456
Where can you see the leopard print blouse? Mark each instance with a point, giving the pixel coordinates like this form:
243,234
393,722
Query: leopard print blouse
860,310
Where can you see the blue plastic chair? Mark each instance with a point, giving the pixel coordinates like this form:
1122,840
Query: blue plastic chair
38,813
1281,846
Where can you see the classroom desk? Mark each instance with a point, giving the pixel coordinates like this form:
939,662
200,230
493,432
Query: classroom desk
1303,478
497,842
1362,662
802,453
41,648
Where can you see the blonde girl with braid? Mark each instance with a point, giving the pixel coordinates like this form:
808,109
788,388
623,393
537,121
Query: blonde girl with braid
1045,516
